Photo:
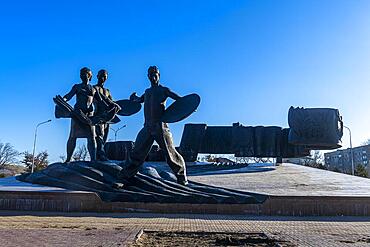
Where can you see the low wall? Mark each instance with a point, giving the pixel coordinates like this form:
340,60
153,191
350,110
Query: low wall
274,205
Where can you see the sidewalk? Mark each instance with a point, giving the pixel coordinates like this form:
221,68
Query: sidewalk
72,229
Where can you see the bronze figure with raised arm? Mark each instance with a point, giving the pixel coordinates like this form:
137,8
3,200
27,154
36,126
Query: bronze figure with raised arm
154,129
84,93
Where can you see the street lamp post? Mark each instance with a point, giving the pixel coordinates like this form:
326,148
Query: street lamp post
116,131
350,144
34,144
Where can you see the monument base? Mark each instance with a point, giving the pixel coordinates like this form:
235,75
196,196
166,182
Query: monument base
292,191
275,205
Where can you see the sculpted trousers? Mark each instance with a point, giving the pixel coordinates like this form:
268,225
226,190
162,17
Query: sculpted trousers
148,134
101,138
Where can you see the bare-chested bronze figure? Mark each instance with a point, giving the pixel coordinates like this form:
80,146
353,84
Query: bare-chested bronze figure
154,129
102,129
84,93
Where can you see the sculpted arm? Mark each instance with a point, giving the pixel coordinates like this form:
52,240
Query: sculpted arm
136,98
97,96
71,93
110,95
110,98
172,95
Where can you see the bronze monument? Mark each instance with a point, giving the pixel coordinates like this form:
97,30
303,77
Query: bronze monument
131,180
154,129
103,103
134,181
90,116
84,93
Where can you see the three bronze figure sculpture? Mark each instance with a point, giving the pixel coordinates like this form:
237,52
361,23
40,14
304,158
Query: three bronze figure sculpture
133,180
95,109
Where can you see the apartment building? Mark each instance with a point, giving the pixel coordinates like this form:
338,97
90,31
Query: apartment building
340,160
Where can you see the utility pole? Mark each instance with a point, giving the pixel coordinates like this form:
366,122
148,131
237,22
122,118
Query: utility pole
34,144
116,131
350,144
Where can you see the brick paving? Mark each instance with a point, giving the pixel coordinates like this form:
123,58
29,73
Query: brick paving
83,229
87,229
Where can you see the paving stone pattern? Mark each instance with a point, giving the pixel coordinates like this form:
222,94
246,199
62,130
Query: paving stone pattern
62,229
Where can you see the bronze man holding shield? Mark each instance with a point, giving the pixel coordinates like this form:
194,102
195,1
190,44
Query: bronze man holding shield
154,129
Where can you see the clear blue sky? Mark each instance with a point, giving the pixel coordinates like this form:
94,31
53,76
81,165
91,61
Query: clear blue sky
249,60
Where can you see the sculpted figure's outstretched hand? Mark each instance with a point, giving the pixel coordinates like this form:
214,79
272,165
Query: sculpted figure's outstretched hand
136,98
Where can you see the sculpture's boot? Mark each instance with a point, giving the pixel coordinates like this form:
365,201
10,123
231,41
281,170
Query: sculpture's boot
118,186
122,178
101,157
182,180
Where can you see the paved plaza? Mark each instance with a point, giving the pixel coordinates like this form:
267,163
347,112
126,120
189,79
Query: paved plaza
62,229
20,228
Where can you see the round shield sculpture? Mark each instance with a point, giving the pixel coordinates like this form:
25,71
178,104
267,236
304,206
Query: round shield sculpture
128,107
181,108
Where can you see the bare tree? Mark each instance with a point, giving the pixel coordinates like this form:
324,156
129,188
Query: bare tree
361,171
8,154
81,153
62,158
315,160
367,142
317,157
41,160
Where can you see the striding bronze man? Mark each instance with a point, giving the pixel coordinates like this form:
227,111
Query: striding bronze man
154,129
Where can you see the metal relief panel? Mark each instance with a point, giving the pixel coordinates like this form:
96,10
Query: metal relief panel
318,128
217,140
242,141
